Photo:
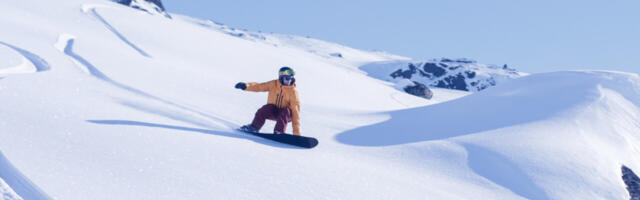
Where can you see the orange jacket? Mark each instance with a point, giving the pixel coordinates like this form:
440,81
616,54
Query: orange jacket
281,96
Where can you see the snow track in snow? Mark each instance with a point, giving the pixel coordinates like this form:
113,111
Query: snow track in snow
31,63
91,9
180,112
195,130
18,182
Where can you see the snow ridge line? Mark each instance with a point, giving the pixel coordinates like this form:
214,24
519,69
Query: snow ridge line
65,44
32,63
91,9
18,182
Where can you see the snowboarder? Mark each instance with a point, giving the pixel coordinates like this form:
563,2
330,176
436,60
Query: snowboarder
283,104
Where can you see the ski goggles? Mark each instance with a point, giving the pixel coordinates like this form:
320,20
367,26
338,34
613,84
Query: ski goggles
287,72
286,77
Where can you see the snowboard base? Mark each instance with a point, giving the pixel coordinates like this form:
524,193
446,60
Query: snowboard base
299,141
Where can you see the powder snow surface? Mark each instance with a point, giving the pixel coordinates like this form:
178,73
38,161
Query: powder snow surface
101,101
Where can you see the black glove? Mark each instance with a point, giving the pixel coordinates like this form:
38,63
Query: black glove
241,86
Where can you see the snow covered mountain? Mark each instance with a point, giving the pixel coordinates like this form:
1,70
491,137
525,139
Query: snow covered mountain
458,74
92,106
149,6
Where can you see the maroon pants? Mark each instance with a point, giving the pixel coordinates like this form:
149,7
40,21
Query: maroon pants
282,116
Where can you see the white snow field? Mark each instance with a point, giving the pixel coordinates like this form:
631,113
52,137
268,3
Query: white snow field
107,102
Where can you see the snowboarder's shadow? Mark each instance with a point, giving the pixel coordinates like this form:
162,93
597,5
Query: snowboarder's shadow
196,130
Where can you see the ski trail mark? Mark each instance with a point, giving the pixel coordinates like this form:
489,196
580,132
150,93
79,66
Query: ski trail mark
91,9
67,48
31,63
18,182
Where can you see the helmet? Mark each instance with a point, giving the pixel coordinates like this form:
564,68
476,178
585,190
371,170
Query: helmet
285,75
286,71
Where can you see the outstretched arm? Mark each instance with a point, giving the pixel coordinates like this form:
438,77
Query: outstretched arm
260,87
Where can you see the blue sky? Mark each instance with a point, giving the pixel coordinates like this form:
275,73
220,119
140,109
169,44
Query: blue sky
531,36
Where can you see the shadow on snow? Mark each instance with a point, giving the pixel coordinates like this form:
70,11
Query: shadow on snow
38,62
95,72
238,135
117,33
502,171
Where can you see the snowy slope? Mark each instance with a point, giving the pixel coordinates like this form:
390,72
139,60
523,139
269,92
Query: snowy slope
14,185
113,112
543,136
331,52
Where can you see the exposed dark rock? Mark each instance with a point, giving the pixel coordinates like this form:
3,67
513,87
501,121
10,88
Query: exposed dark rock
237,34
453,82
420,90
470,74
459,60
446,60
456,67
339,55
159,7
458,74
405,74
433,69
123,2
463,60
422,73
632,181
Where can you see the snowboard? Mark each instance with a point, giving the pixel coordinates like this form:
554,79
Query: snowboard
299,141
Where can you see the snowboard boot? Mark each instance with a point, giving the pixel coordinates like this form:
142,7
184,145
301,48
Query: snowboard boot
249,128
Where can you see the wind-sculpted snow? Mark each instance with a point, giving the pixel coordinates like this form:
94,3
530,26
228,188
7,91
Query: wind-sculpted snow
543,136
91,9
31,62
17,182
522,101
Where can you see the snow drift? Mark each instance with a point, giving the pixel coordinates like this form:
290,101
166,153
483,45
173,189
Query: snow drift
541,136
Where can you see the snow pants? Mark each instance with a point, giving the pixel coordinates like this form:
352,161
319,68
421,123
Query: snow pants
282,116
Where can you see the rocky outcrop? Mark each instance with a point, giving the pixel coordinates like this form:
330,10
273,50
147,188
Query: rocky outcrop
419,89
457,74
632,181
149,6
